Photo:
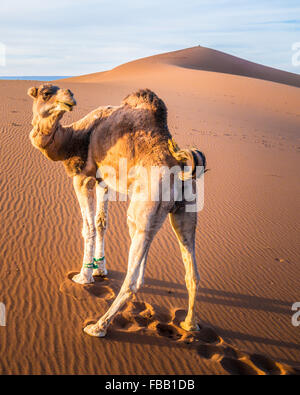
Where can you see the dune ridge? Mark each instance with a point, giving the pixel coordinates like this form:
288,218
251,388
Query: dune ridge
197,58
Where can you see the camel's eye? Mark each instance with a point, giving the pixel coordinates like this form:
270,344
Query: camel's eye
46,95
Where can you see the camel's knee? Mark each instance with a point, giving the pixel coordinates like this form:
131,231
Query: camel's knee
101,221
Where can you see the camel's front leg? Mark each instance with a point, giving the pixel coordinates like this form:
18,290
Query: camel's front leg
84,188
101,224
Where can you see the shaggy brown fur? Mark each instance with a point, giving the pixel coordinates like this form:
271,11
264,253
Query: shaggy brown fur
148,100
76,148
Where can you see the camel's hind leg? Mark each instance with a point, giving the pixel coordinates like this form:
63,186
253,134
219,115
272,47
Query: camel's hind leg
184,226
144,220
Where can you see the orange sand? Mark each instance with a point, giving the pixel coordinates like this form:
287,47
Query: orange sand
246,119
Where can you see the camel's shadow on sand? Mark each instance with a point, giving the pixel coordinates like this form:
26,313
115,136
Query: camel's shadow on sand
142,323
164,288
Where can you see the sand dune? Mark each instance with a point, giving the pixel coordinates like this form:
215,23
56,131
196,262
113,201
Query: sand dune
197,58
247,240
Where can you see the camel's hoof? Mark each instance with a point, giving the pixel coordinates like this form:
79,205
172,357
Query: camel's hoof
100,272
189,327
93,330
80,279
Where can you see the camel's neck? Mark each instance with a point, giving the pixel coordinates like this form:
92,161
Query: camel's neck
69,144
50,137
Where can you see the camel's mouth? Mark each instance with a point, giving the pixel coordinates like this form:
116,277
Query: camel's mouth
66,106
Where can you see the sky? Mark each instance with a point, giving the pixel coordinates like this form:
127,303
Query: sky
73,37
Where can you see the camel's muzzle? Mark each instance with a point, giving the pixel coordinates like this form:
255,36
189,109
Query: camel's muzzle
67,105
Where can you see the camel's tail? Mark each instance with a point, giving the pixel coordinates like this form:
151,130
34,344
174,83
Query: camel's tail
193,158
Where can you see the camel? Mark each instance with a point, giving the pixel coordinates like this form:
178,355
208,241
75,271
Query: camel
136,130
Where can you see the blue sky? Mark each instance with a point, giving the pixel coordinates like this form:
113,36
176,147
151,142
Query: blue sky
71,37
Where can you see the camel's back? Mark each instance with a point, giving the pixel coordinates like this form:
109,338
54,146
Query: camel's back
137,131
148,100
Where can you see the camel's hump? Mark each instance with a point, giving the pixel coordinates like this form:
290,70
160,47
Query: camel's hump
145,98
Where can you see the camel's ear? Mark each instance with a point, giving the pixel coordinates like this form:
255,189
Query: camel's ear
32,92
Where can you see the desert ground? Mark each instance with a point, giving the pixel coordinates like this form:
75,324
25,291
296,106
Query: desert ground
246,119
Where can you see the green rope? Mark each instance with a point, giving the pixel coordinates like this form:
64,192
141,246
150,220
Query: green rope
90,266
94,264
99,260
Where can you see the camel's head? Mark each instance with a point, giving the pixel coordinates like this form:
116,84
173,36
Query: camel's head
50,99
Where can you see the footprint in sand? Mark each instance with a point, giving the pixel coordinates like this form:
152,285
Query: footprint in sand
141,317
235,362
237,367
231,360
160,323
135,317
265,364
99,289
168,331
217,352
209,352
